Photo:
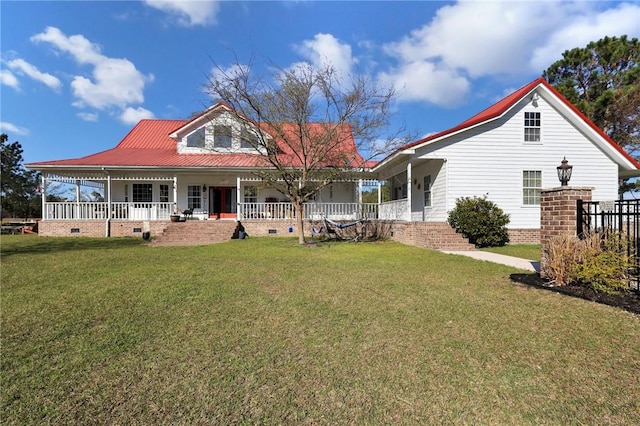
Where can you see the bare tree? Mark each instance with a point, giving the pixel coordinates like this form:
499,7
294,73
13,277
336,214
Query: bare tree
313,128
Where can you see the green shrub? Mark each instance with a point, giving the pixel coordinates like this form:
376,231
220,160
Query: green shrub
605,264
598,261
481,221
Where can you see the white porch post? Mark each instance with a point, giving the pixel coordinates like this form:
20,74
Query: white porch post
108,194
77,215
175,194
238,197
409,188
360,191
379,193
43,194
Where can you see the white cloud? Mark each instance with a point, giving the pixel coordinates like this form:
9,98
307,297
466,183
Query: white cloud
133,115
8,79
326,50
115,82
13,129
625,19
471,40
189,13
88,116
423,81
30,70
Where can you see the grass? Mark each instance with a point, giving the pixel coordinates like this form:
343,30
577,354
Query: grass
263,331
524,251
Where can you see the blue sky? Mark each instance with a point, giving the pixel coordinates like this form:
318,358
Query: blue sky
76,76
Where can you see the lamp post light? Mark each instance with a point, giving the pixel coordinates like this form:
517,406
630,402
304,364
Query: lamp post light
564,172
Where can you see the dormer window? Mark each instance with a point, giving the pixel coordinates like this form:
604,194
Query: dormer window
532,127
248,139
222,136
196,139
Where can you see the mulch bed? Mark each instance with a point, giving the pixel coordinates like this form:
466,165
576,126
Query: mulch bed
627,300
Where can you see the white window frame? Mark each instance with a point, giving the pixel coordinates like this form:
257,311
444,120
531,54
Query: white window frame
426,182
194,197
220,134
250,194
142,193
532,127
197,138
163,193
531,186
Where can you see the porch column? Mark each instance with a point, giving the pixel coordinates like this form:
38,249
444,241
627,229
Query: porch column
238,197
379,193
360,191
409,188
108,194
175,194
77,215
43,194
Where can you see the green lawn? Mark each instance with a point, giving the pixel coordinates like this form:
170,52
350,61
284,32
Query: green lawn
263,331
524,251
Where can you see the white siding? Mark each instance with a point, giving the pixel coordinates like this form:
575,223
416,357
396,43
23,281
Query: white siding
490,159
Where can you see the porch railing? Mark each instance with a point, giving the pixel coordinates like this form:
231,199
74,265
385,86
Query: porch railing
268,211
312,211
341,211
395,210
100,210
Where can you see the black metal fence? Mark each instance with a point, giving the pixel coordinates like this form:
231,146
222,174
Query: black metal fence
622,216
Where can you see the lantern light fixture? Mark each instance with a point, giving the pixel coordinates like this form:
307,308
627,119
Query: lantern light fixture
564,172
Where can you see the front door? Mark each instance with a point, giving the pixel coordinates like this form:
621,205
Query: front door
222,202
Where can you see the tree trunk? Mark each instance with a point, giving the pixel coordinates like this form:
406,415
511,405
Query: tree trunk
299,209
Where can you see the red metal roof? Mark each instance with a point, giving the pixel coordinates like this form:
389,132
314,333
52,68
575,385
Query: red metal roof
148,144
500,107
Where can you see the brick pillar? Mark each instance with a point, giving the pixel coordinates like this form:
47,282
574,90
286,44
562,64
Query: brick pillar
558,212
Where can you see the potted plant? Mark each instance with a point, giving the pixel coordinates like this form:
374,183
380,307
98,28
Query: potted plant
175,216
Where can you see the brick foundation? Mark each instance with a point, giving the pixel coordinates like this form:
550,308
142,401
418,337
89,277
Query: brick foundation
434,235
524,236
97,228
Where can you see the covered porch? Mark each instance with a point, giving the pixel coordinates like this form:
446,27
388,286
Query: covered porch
205,196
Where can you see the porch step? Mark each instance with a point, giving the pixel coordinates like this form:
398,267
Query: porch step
195,232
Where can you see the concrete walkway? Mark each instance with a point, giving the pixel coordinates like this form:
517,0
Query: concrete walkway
515,262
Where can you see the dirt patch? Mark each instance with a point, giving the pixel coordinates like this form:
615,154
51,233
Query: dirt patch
627,300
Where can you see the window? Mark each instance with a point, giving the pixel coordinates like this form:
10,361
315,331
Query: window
248,139
196,139
531,184
532,127
250,194
194,194
142,193
222,136
164,193
427,190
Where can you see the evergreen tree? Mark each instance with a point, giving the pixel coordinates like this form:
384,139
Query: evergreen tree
18,186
